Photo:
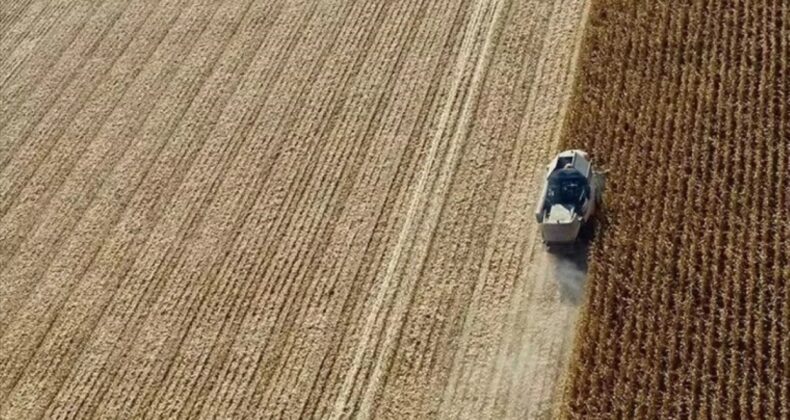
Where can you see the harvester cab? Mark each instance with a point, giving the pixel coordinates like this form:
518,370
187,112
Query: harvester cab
570,193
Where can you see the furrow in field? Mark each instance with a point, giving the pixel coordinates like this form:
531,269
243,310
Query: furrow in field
213,233
781,271
30,73
281,190
205,88
203,183
694,264
383,322
279,26
60,269
251,229
769,344
26,21
95,224
232,226
729,320
14,11
680,286
20,36
748,227
58,193
43,162
762,401
296,195
318,105
486,345
310,256
19,79
334,363
22,45
444,288
33,100
191,359
715,67
393,183
694,297
351,235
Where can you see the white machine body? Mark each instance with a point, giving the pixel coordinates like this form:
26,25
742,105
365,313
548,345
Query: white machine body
568,198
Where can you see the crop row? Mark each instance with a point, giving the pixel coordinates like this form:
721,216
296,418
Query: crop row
687,312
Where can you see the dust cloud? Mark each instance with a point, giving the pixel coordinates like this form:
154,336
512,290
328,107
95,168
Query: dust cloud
570,272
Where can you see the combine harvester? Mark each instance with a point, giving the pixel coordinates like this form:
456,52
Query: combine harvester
571,193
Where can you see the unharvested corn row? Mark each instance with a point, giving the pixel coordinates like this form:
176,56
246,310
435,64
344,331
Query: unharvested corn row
688,307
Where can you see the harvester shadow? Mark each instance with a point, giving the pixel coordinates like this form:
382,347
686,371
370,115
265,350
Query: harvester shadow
570,270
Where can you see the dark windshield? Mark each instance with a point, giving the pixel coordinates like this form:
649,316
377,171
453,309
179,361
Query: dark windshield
567,187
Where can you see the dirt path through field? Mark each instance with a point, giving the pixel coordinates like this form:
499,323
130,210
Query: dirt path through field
296,209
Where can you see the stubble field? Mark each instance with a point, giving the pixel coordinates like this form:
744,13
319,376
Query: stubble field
284,208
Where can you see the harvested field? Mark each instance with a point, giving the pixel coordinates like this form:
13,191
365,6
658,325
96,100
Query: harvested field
688,311
282,208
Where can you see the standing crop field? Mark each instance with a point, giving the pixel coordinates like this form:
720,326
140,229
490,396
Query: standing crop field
688,312
291,208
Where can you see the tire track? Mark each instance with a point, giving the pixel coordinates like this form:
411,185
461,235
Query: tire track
302,346
443,293
334,364
485,24
352,232
518,347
